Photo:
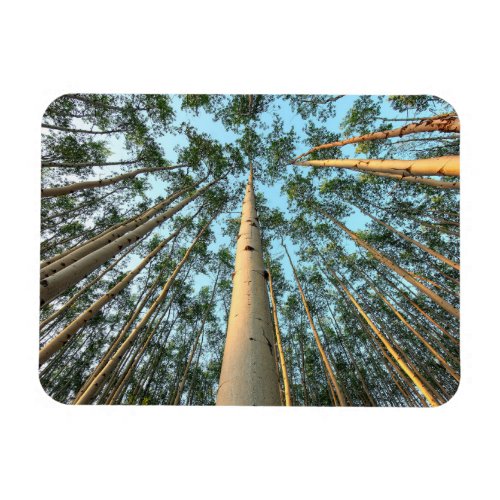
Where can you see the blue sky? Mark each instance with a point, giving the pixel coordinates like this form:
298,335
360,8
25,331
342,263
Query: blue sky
275,199
204,123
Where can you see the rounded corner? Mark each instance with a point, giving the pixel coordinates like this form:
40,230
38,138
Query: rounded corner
448,103
47,395
52,101
452,396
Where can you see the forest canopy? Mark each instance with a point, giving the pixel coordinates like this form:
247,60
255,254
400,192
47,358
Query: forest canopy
250,249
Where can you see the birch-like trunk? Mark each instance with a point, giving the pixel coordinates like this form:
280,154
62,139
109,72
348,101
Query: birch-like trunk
65,335
63,260
248,375
77,295
52,286
419,180
286,383
391,265
442,165
402,364
80,186
328,368
441,124
423,247
108,369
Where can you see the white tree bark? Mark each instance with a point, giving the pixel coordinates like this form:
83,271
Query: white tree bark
248,376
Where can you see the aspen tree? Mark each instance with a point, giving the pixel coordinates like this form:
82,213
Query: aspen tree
108,369
182,383
118,390
419,180
398,314
328,368
52,286
423,247
59,340
444,165
71,256
248,375
139,306
80,186
404,366
419,309
286,383
405,274
89,285
442,124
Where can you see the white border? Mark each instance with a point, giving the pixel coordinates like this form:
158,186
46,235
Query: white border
53,452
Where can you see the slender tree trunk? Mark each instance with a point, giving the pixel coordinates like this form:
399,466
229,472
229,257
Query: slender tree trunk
346,349
443,165
442,124
83,131
286,383
80,186
46,164
69,257
419,180
379,347
433,351
398,314
116,395
421,311
194,379
87,396
388,346
77,295
405,274
59,340
139,305
446,276
248,375
303,369
423,247
52,286
322,353
81,206
182,383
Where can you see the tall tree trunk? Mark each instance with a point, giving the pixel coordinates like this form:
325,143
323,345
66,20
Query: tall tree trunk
94,201
391,265
89,285
421,311
80,186
117,392
182,383
413,377
52,286
139,306
443,165
423,247
433,351
322,353
87,396
419,180
346,349
248,375
63,260
83,131
286,383
398,314
62,338
46,164
442,124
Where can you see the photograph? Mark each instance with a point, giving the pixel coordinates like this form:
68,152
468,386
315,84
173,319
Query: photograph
250,250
